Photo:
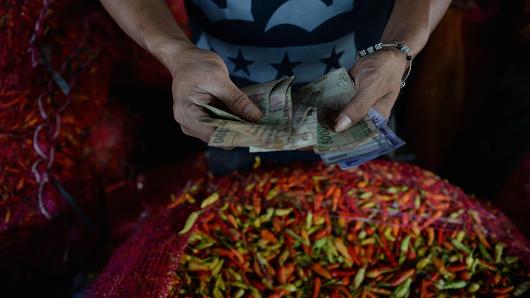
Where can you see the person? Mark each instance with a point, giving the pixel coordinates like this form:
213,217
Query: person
240,42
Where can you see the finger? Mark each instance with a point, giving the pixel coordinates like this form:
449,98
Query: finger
192,126
237,101
356,109
385,104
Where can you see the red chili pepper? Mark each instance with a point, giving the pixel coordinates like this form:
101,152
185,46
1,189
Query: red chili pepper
316,287
342,273
278,294
440,236
436,216
464,275
400,278
457,268
320,234
344,292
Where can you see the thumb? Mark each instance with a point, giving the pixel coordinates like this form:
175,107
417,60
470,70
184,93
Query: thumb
237,101
354,111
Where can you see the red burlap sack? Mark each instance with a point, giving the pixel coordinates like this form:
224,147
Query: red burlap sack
401,196
59,143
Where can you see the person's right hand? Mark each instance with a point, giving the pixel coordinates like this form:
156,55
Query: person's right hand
202,75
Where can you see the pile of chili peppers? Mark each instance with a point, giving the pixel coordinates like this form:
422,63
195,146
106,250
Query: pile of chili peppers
318,232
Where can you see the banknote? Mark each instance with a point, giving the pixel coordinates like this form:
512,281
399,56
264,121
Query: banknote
330,94
377,141
395,141
216,111
302,119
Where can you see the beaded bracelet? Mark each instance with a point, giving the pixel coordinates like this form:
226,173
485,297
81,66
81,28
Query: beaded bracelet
398,45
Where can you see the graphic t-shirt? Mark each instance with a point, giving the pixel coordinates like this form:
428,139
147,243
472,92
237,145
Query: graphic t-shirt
262,40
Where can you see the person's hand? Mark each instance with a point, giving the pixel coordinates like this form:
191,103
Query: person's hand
378,81
202,75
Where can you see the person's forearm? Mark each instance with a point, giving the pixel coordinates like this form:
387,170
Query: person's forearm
412,21
151,25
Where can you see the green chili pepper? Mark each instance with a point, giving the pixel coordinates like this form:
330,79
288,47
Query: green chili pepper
484,252
473,287
282,212
239,284
460,236
402,289
210,200
267,216
366,195
239,293
217,293
217,268
459,245
359,278
388,234
320,243
521,289
254,292
404,247
296,236
189,222
457,284
422,263
308,220
361,235
498,252
288,287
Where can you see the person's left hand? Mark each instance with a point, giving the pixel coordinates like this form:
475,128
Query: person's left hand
378,81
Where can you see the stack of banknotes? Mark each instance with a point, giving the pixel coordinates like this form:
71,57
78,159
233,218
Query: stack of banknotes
304,119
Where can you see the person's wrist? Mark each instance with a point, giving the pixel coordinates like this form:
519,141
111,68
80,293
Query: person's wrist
395,57
167,51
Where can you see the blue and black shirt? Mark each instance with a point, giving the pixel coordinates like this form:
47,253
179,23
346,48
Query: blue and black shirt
262,40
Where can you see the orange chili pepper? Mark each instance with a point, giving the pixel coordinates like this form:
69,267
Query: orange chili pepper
497,279
380,291
268,235
337,195
256,203
430,236
344,292
232,220
481,237
330,191
321,271
285,272
317,204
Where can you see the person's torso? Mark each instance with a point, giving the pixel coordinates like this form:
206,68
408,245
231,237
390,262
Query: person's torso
261,40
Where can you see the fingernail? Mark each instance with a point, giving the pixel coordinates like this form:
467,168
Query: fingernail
253,112
343,123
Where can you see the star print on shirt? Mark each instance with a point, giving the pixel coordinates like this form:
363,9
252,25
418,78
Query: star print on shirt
333,60
285,67
240,62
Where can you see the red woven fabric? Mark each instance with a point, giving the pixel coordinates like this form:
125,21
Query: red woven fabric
145,264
